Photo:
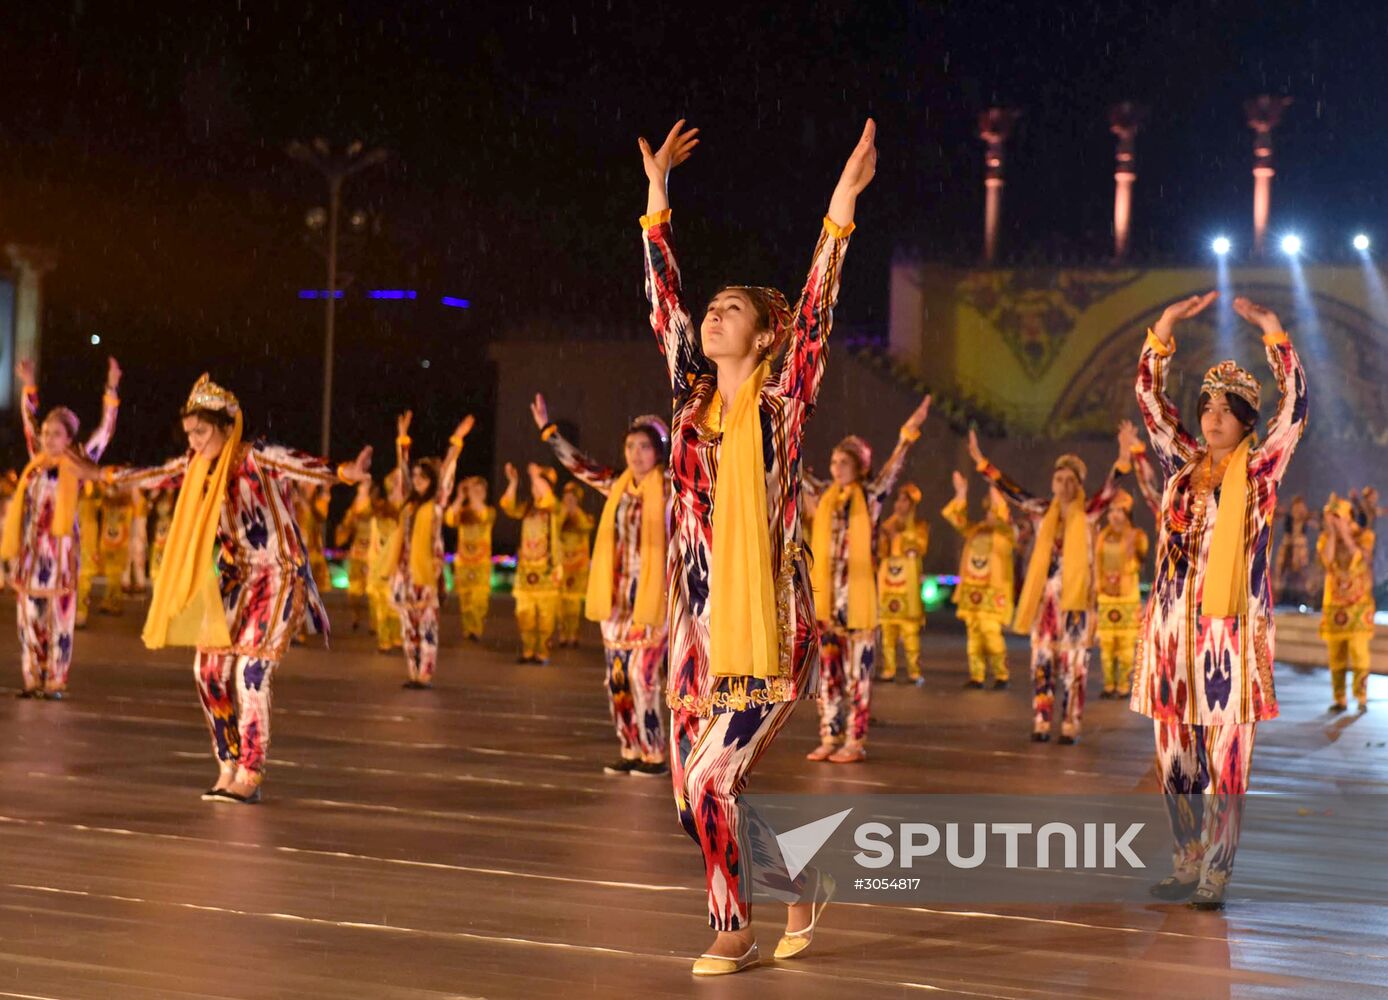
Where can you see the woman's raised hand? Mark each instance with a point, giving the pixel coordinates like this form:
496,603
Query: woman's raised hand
857,175
1260,316
113,374
918,415
402,423
464,427
974,451
25,371
540,411
1127,437
961,485
1180,310
360,470
674,151
512,475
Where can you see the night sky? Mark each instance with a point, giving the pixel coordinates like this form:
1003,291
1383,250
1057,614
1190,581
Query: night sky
145,144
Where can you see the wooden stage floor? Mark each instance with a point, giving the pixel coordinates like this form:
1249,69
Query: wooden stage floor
464,842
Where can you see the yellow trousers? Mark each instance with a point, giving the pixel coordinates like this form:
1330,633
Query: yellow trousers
113,564
536,614
473,603
384,616
570,615
986,648
86,573
1346,653
1117,651
908,633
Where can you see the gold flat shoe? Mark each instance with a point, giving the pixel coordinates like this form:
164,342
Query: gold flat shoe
717,965
793,943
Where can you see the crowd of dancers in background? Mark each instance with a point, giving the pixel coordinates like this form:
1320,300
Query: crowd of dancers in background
702,664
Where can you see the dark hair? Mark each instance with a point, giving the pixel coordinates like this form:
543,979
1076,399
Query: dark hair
220,419
650,434
761,305
1241,408
430,468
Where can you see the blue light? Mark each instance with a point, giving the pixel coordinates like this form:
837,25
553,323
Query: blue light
391,293
449,300
1221,245
313,293
1291,244
1361,242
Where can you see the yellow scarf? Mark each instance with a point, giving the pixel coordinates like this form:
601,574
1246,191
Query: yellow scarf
862,603
424,571
1076,584
186,609
743,640
650,585
64,508
1226,572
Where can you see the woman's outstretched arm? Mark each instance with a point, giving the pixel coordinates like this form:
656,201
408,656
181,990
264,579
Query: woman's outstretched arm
803,368
674,329
1269,461
1173,443
100,438
580,465
887,476
1027,502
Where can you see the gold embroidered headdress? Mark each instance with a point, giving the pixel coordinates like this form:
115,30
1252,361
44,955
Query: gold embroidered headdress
208,395
1227,378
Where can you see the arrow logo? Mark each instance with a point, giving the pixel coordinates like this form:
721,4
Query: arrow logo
799,846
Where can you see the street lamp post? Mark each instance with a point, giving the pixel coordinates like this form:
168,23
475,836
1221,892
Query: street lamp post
335,168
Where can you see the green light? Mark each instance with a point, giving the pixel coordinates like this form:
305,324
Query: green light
337,575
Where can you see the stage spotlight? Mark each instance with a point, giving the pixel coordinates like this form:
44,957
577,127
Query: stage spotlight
1221,245
1361,242
1291,244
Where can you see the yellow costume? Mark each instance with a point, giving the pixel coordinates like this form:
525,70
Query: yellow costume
89,524
1119,558
472,565
117,517
311,511
354,535
1347,611
575,540
899,606
984,594
381,526
163,518
537,574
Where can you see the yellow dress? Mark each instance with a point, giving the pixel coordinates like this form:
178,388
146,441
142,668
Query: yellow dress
89,564
900,609
380,527
472,565
1119,561
538,573
1347,614
984,595
575,543
117,516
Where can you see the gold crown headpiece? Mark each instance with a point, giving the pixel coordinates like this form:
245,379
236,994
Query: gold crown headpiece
208,395
1228,378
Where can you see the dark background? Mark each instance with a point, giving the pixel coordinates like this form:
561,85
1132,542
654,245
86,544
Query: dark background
145,144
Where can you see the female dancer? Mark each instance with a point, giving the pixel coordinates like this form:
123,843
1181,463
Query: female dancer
575,538
415,549
354,535
117,516
984,595
89,548
742,629
41,539
901,546
241,617
1212,599
537,561
1056,607
847,508
387,497
626,585
1346,552
473,518
1292,571
163,517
